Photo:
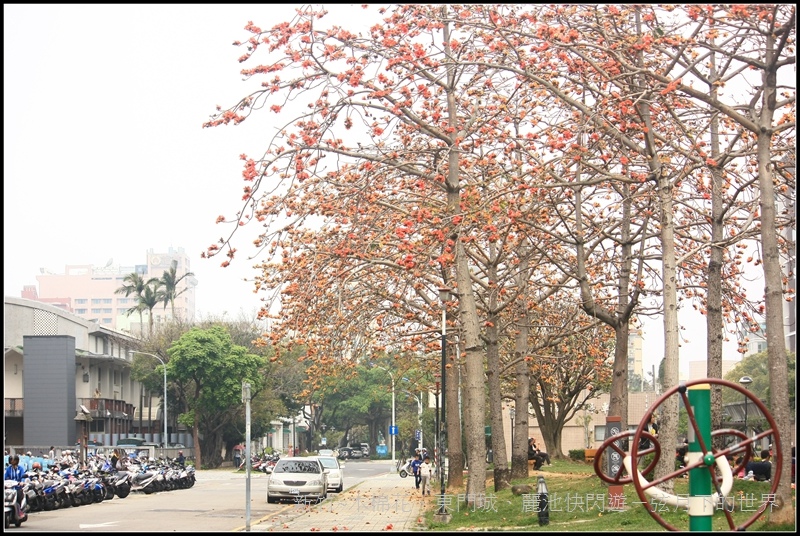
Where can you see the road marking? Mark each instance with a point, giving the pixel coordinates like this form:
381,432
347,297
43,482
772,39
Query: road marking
98,525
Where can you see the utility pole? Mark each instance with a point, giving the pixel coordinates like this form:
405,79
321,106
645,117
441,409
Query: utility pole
246,400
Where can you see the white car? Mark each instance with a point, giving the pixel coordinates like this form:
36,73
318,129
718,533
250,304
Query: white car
297,479
335,472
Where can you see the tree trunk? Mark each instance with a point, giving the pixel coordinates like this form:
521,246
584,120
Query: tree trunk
198,462
714,324
668,418
455,454
773,295
474,378
474,382
502,474
519,431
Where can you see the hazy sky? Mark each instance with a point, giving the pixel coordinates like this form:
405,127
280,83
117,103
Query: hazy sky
105,156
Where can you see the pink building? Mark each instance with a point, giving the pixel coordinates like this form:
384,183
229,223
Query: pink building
89,291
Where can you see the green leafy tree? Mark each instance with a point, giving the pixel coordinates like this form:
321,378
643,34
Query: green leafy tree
208,370
756,366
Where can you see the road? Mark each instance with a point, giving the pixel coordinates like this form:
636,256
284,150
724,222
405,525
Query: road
216,503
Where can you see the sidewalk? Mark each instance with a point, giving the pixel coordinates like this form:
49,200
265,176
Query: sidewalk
384,502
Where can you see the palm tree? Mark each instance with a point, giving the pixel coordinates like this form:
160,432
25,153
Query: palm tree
135,284
170,281
152,296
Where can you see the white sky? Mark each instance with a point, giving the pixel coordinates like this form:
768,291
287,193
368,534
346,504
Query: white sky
105,156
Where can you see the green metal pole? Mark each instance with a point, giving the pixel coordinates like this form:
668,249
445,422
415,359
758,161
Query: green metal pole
701,504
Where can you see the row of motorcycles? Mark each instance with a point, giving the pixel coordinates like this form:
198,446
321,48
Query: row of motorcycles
264,463
65,486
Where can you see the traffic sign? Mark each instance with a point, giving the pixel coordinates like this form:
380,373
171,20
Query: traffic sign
393,430
418,434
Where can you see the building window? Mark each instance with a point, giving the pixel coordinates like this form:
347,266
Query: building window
80,311
122,300
107,300
600,432
95,311
122,311
81,300
96,300
106,321
108,310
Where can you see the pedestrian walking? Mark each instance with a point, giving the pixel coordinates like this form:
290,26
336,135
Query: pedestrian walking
415,465
426,474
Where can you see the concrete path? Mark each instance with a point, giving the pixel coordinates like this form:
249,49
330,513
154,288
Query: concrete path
381,503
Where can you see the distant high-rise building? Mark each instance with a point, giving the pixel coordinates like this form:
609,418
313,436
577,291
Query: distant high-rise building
699,369
89,291
635,357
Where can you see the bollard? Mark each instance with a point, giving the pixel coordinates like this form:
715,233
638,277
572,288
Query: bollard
544,504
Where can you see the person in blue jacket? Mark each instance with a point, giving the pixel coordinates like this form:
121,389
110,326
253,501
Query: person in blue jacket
16,472
415,465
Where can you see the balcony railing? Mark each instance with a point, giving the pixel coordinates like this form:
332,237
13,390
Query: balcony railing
106,408
14,407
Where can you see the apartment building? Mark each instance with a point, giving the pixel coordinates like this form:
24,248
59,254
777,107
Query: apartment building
68,379
89,291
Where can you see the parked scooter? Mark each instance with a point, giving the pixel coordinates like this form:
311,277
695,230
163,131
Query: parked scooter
15,508
405,469
148,480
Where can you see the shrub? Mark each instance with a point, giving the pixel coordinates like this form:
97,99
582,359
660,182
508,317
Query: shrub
576,454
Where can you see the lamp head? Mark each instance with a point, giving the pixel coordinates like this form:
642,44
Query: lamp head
541,485
745,381
444,293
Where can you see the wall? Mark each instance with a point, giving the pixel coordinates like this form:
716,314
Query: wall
49,390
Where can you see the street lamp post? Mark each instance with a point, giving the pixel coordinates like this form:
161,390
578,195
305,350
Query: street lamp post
166,435
745,381
512,413
444,296
419,412
391,428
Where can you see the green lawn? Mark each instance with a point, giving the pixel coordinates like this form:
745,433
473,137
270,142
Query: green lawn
579,503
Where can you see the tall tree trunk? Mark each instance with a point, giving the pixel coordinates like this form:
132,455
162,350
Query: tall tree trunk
474,382
714,324
773,288
455,454
618,320
668,418
522,392
198,463
668,426
474,379
502,474
773,296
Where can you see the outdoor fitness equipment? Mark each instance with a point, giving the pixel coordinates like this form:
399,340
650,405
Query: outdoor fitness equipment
702,461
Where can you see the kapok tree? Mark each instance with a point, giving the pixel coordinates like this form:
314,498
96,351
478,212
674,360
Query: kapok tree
416,106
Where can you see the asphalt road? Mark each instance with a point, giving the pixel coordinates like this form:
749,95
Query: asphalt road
216,503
